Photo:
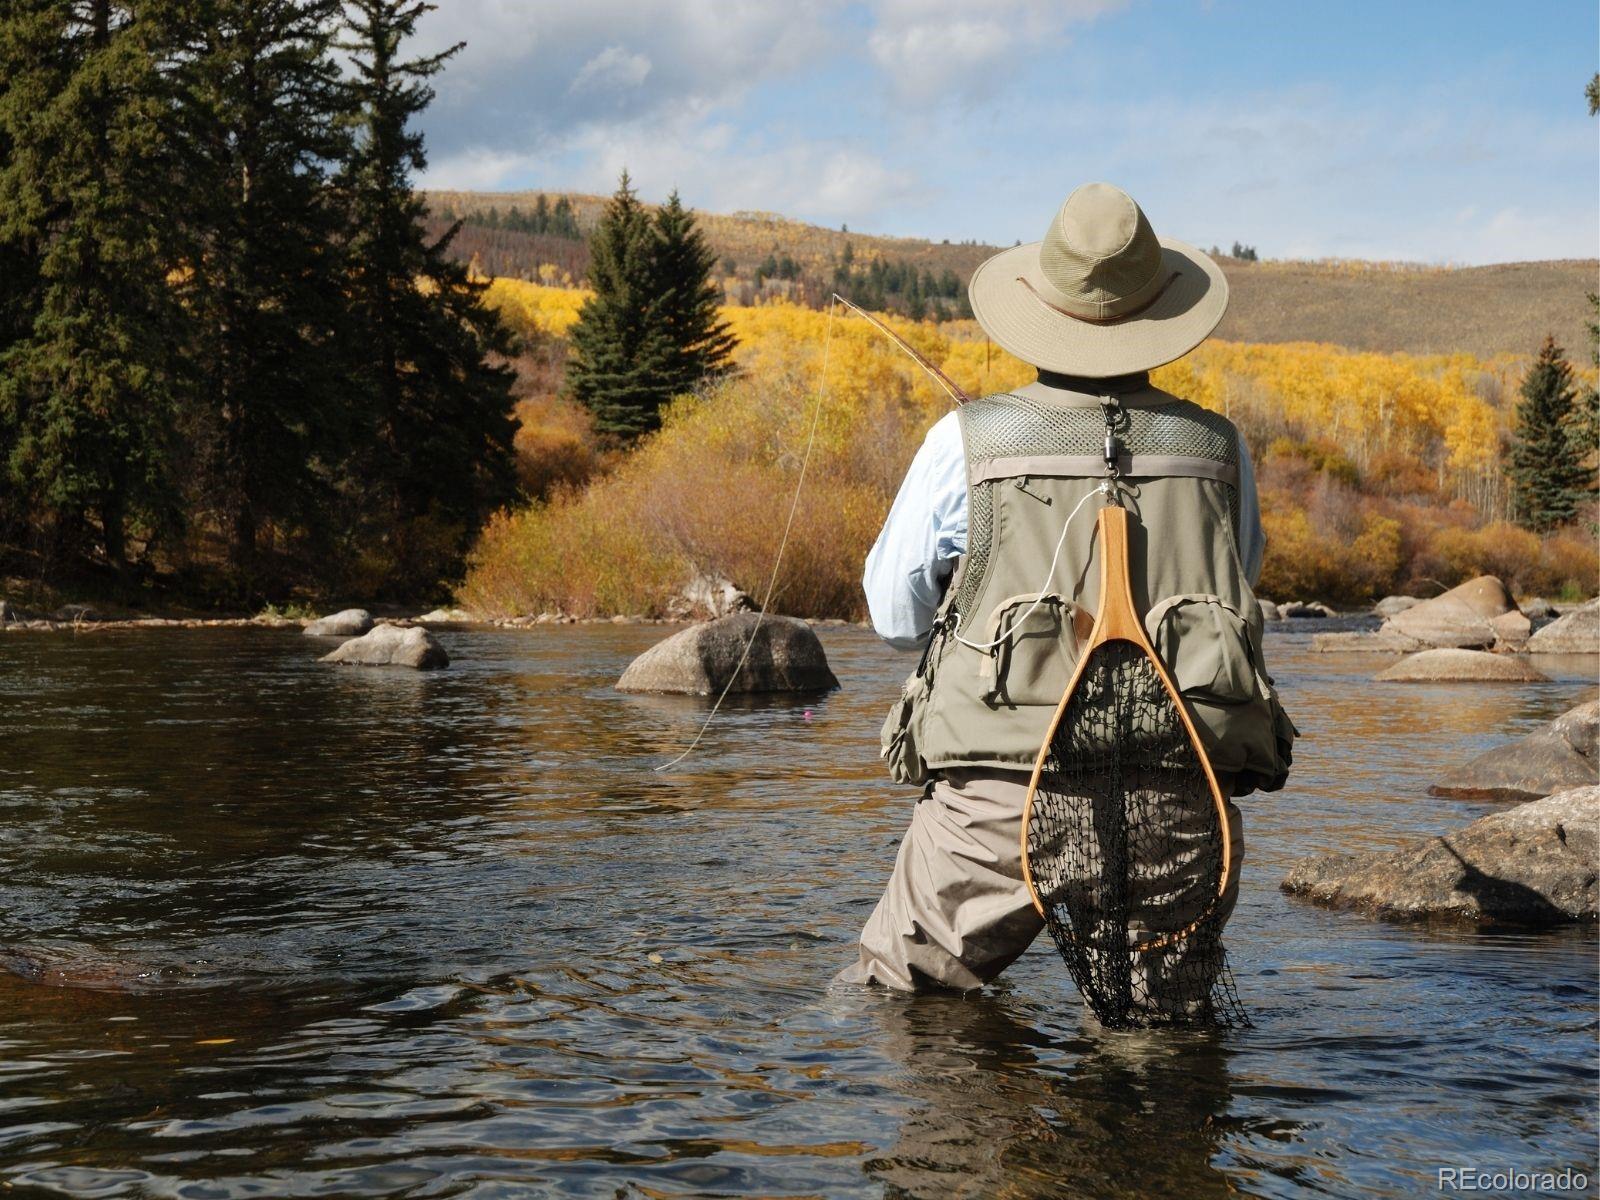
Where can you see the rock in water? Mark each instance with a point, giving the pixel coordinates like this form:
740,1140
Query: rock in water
1305,608
1539,608
1552,759
75,614
785,657
1535,864
352,622
1391,606
391,646
1460,666
1269,610
1461,618
446,616
1354,642
1576,633
713,596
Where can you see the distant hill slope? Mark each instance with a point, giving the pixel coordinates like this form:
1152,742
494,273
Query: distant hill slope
1506,308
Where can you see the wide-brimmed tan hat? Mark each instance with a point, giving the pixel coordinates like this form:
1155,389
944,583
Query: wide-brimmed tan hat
1101,295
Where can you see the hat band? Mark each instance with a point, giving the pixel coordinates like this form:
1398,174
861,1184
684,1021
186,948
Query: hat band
1132,312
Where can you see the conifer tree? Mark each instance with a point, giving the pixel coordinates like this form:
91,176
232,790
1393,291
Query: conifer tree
259,114
434,455
622,358
86,376
687,301
1548,475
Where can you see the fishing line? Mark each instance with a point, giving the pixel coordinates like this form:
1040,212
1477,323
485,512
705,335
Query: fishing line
1039,592
783,542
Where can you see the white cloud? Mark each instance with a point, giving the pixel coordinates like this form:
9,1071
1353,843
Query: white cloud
612,68
932,48
533,73
722,171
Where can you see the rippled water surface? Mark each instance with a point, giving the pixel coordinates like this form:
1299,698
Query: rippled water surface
296,929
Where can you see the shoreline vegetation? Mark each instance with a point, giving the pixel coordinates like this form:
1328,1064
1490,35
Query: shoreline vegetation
1379,473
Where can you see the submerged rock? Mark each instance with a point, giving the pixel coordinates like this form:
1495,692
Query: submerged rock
1462,618
1535,864
699,661
392,646
1576,633
1561,755
1364,643
1460,666
351,622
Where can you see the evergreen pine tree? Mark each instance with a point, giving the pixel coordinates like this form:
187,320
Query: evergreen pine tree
621,355
259,114
687,301
1547,470
86,376
435,456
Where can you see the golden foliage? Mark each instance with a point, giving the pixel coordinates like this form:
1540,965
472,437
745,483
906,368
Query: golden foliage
1376,470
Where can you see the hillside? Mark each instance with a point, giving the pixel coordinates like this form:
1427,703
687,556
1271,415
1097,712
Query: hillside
1484,311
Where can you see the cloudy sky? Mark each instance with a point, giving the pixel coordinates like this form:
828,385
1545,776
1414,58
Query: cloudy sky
1432,130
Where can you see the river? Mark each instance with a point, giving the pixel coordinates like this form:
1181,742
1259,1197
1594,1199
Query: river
334,931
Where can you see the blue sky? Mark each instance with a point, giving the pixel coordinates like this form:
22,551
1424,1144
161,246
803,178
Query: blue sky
1413,129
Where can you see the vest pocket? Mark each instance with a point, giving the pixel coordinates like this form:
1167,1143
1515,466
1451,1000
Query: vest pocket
1205,644
1037,643
898,744
1207,648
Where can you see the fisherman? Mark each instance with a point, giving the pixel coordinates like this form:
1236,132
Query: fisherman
979,522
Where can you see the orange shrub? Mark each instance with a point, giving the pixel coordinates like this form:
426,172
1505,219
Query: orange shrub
554,445
1305,561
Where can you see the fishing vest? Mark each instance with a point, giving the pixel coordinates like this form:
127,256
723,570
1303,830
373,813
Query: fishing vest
1005,639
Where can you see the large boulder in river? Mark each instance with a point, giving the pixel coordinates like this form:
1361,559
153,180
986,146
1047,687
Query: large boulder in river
1464,617
1535,864
1460,666
1576,633
785,656
1559,756
392,646
352,622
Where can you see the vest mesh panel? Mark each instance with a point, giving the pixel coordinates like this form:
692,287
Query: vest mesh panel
1007,426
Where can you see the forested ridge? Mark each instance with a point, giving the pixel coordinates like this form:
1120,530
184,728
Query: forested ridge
1504,308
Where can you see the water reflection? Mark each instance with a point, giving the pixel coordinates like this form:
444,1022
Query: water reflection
995,1107
275,927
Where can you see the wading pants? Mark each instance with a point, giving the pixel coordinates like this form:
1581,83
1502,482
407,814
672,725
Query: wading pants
956,912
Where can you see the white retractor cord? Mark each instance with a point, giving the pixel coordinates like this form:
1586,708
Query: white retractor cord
1102,490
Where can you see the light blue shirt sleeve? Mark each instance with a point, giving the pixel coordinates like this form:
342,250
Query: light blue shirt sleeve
925,533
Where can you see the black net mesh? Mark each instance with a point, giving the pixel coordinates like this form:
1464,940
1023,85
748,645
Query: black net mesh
1125,847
